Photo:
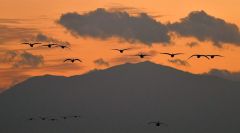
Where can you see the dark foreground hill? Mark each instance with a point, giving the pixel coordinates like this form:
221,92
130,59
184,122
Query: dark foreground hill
123,99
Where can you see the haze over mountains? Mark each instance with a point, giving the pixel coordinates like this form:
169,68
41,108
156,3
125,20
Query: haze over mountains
123,99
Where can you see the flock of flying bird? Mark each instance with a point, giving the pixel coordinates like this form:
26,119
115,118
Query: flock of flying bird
141,55
43,118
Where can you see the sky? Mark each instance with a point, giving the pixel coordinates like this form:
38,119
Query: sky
93,28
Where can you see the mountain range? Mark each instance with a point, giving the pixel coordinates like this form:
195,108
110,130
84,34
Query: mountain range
123,99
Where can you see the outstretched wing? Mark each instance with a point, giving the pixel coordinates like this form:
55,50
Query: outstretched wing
53,44
37,43
67,60
45,45
78,60
178,53
192,56
166,53
126,49
116,49
146,55
25,43
216,55
205,56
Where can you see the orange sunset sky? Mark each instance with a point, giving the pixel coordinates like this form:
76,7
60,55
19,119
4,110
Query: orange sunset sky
23,20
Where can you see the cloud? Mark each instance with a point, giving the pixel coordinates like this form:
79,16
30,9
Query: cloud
44,38
105,24
179,62
207,28
8,33
101,62
21,59
192,44
235,76
27,59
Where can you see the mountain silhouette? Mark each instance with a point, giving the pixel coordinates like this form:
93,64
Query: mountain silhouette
123,99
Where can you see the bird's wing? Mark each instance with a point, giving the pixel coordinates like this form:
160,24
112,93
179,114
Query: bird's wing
126,49
178,53
37,43
25,43
205,56
66,60
45,45
216,55
146,55
192,56
78,60
135,55
165,53
116,49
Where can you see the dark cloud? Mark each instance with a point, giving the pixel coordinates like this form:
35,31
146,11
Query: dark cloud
21,59
104,24
117,22
179,62
207,28
192,44
44,38
235,76
8,56
101,62
8,33
28,59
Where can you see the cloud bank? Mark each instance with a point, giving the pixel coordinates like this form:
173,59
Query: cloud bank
205,27
101,62
103,24
179,62
235,76
22,59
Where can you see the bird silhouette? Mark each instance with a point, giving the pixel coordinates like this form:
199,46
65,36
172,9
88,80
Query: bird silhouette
64,117
121,50
72,60
53,119
50,45
172,54
30,119
141,55
43,118
213,56
158,123
62,46
198,56
76,116
31,44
